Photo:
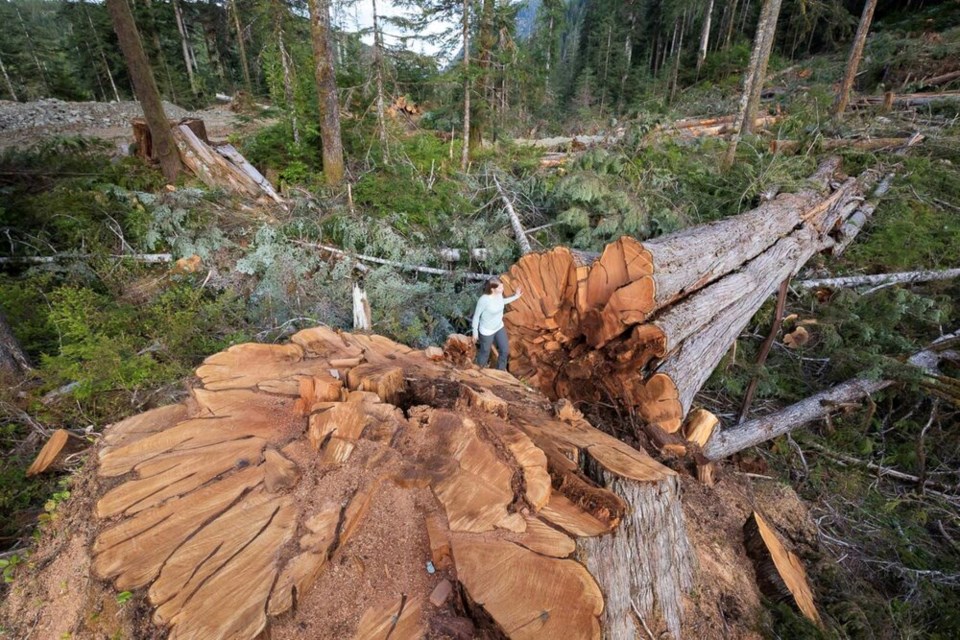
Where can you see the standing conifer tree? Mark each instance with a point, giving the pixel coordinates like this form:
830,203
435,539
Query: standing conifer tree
326,92
853,62
754,76
146,88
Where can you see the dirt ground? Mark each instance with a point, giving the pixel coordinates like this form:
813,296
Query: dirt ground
23,124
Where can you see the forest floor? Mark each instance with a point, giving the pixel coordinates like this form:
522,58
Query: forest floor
25,123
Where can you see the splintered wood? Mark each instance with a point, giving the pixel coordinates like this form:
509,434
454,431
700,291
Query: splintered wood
642,325
780,572
292,491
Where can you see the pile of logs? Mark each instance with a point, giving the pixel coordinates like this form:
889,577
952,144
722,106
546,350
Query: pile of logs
703,127
557,150
403,106
643,325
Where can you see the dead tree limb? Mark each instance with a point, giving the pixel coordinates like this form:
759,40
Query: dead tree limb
148,258
393,263
906,277
728,442
514,220
765,349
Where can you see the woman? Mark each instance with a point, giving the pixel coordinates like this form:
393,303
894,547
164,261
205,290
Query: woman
488,323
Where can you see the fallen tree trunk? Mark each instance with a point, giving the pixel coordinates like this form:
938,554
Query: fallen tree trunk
643,325
907,277
906,99
943,78
728,442
833,144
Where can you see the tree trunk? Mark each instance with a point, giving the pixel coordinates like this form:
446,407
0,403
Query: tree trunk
13,362
378,61
327,92
731,20
674,77
853,62
241,47
288,94
643,325
185,46
480,116
6,79
465,152
754,76
103,56
146,87
705,36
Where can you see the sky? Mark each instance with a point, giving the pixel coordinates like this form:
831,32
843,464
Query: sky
360,16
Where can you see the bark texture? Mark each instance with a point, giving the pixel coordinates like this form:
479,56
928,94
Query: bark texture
144,84
853,61
327,92
754,77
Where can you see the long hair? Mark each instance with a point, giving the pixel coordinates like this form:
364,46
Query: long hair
490,285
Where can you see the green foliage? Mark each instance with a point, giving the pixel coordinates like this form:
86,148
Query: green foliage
914,228
9,566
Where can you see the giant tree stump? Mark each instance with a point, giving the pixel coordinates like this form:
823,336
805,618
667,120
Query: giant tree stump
306,486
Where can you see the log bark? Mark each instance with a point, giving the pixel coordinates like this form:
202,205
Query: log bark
290,477
643,325
853,61
753,432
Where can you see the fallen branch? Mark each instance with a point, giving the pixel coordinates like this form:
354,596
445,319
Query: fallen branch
832,144
885,472
148,258
880,278
728,442
514,220
393,263
765,350
941,79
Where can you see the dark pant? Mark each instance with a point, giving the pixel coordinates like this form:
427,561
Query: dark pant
483,354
